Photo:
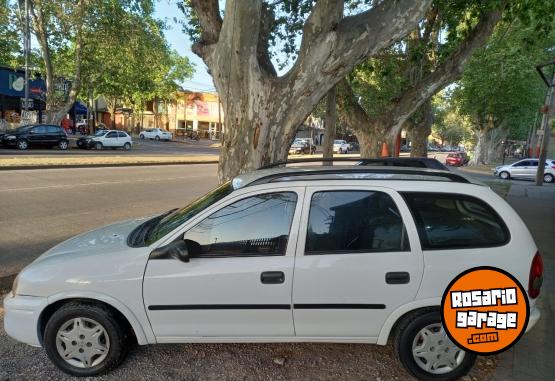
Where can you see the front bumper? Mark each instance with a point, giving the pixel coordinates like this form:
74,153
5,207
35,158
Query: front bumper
21,317
82,143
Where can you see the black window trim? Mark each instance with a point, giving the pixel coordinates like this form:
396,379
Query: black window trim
355,252
249,255
452,195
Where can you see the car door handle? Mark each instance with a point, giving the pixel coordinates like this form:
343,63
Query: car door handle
398,277
272,277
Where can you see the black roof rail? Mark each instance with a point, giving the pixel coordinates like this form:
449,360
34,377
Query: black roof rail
312,160
362,170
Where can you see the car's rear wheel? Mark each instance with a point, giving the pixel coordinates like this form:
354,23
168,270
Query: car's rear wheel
98,146
427,352
63,145
85,339
505,175
127,146
548,178
141,136
22,144
156,138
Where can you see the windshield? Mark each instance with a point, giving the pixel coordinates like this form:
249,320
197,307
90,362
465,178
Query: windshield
338,141
180,216
99,133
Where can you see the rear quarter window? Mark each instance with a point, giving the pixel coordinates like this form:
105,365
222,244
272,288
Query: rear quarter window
455,221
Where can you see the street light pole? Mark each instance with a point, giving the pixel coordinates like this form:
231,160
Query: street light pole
546,129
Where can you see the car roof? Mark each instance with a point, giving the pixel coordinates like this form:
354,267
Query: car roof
417,162
346,172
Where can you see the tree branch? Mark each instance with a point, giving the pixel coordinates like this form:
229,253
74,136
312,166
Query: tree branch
267,20
447,72
208,13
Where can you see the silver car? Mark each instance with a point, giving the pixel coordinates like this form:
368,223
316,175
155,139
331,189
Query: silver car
526,169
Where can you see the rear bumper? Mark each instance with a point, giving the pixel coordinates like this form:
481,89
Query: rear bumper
535,315
21,317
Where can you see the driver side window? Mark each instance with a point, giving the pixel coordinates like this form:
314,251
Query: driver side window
254,226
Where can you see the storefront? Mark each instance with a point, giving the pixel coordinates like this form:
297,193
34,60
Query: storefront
12,98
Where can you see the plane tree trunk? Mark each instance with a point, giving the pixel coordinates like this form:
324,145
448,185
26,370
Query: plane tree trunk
329,124
421,130
263,111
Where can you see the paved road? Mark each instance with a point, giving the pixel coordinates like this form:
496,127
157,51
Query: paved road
145,147
40,208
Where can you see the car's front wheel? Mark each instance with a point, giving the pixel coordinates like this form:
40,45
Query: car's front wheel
98,146
548,178
85,339
157,138
22,144
505,175
141,136
427,352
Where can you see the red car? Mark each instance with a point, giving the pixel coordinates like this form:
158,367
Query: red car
457,159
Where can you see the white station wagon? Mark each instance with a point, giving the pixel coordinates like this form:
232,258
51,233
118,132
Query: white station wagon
298,254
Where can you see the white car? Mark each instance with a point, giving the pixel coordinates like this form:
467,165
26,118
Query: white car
526,169
372,250
340,146
156,134
108,139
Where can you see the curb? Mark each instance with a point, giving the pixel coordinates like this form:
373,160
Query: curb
107,165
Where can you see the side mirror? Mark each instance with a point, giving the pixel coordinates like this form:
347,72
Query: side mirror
175,250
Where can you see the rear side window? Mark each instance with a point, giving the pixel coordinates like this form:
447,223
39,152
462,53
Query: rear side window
343,222
451,221
122,134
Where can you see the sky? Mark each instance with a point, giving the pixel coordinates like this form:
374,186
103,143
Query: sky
167,10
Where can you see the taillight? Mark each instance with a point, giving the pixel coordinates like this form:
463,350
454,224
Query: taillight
536,276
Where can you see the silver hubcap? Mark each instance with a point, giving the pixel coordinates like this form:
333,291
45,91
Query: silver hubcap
548,178
82,342
434,352
504,175
22,144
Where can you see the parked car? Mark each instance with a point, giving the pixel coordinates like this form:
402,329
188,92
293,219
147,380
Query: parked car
156,134
301,146
340,146
106,139
371,247
405,148
526,169
415,162
457,159
44,135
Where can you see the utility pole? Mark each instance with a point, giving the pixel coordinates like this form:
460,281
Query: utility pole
549,110
26,48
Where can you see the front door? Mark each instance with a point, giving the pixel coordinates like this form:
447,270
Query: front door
110,139
358,259
38,136
238,282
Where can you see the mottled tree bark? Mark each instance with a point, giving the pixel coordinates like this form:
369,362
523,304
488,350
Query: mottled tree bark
421,130
263,111
329,125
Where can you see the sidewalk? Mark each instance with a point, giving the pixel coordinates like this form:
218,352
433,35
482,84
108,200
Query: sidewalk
532,358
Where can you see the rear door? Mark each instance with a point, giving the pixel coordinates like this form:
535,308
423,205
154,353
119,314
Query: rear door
358,259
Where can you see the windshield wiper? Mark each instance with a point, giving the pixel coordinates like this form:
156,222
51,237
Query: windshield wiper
138,236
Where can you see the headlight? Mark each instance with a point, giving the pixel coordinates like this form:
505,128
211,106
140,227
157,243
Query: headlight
11,137
15,285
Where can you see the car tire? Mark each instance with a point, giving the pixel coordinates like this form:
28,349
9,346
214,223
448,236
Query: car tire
141,136
412,335
548,178
157,138
98,146
63,145
22,144
127,146
505,175
109,339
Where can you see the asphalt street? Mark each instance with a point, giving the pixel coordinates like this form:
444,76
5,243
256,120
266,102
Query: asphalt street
40,208
144,147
